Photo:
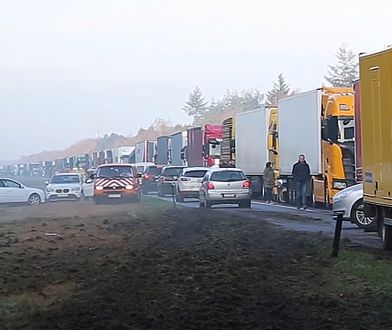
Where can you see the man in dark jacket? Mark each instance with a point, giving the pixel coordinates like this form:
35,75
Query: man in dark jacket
301,176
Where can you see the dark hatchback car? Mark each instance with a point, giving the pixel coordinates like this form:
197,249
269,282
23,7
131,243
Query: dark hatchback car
150,178
168,179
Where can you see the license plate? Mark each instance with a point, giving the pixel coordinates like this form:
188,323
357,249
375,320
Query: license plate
62,195
229,195
114,196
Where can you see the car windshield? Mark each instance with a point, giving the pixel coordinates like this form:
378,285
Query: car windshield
153,170
195,174
115,172
228,176
64,179
172,171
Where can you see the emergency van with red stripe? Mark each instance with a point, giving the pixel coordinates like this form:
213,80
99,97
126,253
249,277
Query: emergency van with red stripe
116,182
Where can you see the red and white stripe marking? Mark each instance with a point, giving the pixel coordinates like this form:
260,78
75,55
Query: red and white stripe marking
109,183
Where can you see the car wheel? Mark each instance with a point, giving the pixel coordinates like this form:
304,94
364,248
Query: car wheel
34,199
387,237
179,198
358,216
245,205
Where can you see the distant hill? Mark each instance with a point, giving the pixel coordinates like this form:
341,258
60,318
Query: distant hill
157,128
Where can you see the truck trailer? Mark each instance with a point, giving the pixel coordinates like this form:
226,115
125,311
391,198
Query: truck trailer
228,143
145,152
203,147
376,128
177,145
162,150
320,125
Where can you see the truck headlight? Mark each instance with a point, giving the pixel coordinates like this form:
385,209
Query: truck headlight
129,187
339,185
99,188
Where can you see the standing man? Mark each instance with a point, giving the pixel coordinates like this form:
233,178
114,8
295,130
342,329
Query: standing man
269,181
301,176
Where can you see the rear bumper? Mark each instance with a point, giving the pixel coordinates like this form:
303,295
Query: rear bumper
228,197
189,193
115,194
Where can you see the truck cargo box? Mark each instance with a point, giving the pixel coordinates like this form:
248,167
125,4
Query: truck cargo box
251,141
376,127
300,131
177,145
162,148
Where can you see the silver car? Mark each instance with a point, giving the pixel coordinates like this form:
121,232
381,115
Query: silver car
225,186
349,203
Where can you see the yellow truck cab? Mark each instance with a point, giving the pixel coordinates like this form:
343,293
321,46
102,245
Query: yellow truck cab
376,128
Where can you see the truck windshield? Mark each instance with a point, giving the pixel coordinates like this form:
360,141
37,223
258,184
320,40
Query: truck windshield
214,149
346,130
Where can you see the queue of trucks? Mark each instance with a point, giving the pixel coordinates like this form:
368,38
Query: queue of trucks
344,133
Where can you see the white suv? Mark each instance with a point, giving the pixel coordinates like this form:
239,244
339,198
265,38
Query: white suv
189,183
65,186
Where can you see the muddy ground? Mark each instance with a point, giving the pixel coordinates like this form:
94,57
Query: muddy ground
148,266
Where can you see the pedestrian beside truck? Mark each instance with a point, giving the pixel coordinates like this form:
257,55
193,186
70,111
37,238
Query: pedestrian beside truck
301,177
269,181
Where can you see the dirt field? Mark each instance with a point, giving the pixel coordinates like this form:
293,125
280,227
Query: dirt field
148,266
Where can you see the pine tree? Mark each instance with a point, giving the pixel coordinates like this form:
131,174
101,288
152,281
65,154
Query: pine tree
345,71
196,106
280,90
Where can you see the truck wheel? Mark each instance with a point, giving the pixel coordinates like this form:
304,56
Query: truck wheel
358,216
387,237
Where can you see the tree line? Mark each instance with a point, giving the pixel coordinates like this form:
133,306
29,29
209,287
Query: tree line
342,74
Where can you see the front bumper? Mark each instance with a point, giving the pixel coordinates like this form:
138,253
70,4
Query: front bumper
341,208
64,196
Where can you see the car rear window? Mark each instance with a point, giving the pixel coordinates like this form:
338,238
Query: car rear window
172,171
153,170
195,174
115,172
228,176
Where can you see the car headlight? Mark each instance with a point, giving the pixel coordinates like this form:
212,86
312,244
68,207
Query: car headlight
99,188
339,185
75,189
339,197
49,189
129,187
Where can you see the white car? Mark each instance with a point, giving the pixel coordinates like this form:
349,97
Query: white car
189,183
65,186
349,203
12,191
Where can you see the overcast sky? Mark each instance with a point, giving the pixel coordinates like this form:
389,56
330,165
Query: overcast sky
71,69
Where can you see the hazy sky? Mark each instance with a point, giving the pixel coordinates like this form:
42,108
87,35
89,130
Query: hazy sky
70,69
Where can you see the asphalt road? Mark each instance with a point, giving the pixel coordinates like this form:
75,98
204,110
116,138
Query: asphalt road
288,217
311,220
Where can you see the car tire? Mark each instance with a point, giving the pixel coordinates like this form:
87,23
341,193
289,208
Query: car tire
179,198
245,205
358,217
387,238
34,199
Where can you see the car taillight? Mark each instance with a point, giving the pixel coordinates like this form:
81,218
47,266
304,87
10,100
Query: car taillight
146,176
246,184
185,179
210,185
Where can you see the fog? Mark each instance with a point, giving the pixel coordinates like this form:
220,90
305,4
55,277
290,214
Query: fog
79,68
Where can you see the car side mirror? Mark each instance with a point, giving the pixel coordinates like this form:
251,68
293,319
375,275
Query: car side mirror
89,180
139,175
46,183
